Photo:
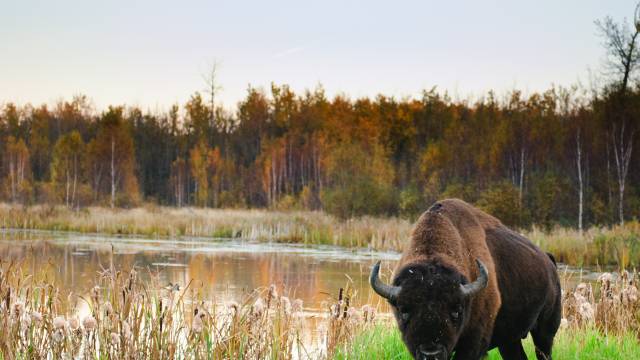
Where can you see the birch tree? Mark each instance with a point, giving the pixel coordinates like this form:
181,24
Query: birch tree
66,165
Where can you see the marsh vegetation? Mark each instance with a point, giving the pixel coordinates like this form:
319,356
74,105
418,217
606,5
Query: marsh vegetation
605,246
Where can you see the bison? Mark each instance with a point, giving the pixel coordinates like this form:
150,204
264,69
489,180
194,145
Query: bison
466,284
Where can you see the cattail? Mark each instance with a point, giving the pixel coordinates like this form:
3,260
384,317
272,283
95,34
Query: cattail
107,308
25,323
115,338
352,313
585,310
258,307
89,323
58,335
273,292
74,323
334,310
286,305
95,292
368,313
605,282
629,295
233,307
18,309
197,325
297,306
126,330
36,316
59,322
583,290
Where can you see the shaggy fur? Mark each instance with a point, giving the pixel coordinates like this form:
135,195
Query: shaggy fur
522,295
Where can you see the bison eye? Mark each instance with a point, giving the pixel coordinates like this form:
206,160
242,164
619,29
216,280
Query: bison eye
404,316
404,313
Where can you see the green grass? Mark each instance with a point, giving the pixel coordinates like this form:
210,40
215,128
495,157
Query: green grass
383,342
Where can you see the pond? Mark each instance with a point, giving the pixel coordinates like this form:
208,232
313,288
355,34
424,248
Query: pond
223,270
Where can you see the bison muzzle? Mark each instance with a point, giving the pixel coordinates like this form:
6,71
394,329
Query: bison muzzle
466,284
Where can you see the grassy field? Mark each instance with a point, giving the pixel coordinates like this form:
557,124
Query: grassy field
384,343
618,246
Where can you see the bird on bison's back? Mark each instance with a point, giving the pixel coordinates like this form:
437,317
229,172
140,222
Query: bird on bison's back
466,284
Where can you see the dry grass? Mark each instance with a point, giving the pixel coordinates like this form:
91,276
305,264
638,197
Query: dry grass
596,246
310,227
612,307
616,246
125,318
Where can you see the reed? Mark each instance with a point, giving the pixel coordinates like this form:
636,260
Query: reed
614,246
308,227
123,317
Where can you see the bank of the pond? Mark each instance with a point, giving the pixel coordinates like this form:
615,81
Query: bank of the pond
619,246
383,342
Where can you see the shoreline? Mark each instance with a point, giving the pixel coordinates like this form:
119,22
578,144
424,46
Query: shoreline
597,246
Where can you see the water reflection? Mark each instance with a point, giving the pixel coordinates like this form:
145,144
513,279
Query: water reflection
221,270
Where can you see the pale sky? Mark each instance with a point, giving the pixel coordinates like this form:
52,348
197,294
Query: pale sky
153,53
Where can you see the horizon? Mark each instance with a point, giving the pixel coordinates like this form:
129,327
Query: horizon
118,56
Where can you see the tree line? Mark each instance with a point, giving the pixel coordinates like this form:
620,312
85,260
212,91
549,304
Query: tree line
562,156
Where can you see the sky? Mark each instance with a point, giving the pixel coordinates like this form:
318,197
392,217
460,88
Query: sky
154,53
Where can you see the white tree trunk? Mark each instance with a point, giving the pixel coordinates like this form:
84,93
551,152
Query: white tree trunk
521,181
580,184
622,153
113,173
75,179
67,185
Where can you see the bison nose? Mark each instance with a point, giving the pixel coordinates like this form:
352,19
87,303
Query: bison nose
431,353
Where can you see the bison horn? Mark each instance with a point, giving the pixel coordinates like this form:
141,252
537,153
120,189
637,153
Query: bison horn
480,283
386,291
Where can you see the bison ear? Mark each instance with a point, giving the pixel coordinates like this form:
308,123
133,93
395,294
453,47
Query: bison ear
481,282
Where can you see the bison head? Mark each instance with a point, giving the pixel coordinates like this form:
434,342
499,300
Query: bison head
430,303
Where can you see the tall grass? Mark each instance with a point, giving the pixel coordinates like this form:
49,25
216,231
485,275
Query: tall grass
123,317
307,227
616,246
596,246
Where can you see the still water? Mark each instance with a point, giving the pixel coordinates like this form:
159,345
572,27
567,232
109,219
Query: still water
222,269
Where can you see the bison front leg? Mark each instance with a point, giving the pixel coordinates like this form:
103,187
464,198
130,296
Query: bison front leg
471,348
513,351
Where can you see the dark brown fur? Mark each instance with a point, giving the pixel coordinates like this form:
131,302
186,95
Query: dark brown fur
522,295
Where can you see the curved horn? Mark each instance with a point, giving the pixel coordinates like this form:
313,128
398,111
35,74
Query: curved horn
386,291
480,283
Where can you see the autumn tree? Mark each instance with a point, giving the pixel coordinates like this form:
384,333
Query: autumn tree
18,171
216,171
179,180
198,165
111,158
359,181
623,58
66,165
